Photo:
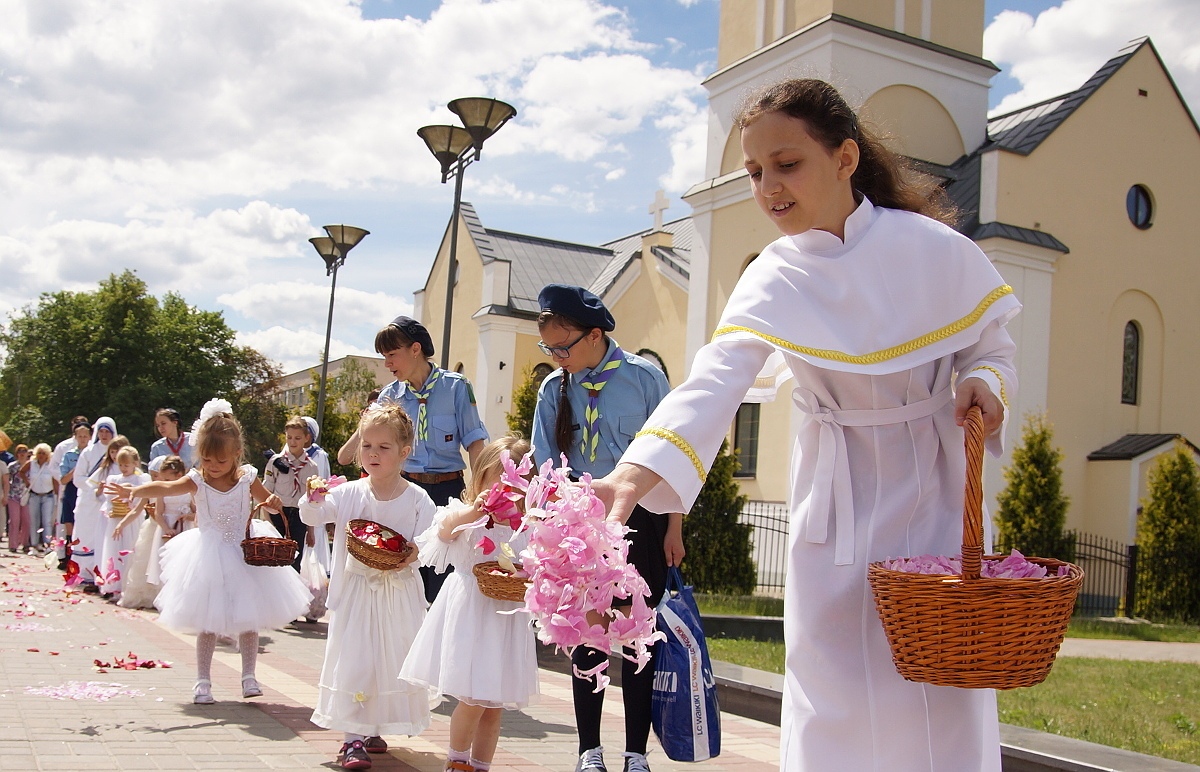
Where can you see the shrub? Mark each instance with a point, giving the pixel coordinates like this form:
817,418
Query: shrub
1032,509
1168,538
718,546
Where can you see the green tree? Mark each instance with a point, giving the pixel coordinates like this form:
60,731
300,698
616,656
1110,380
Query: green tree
345,398
115,351
524,400
718,546
1032,509
255,404
1168,538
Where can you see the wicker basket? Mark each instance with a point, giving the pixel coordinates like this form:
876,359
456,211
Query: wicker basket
269,550
118,509
376,557
969,631
502,586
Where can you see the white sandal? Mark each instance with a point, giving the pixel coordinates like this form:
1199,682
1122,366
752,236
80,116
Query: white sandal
250,687
202,692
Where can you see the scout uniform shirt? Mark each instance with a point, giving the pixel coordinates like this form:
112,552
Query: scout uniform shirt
626,401
291,484
452,418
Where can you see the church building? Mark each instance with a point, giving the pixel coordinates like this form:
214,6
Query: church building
1080,201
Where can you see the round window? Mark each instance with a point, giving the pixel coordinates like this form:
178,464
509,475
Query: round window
1139,207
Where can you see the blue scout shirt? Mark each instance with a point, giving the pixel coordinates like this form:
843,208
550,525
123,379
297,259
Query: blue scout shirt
453,422
626,401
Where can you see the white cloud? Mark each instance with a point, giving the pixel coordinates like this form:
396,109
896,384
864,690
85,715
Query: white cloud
297,349
615,174
295,302
1060,49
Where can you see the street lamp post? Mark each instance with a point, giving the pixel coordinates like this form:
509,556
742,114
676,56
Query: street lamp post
333,250
455,147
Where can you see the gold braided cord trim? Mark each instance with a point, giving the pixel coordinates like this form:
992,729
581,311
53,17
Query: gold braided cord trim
888,353
679,442
999,377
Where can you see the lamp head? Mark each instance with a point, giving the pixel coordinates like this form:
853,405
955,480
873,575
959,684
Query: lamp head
482,116
327,250
446,143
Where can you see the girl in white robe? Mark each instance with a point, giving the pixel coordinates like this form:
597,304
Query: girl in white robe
375,614
892,325
472,647
86,537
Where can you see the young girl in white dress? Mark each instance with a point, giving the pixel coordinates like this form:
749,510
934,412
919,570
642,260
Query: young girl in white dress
117,545
467,647
104,524
208,588
375,614
170,516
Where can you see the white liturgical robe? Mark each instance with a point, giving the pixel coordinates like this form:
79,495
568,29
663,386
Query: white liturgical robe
874,330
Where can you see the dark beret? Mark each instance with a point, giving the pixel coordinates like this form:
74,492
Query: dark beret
416,332
577,304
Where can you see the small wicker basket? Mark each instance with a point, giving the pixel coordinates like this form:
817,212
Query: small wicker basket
969,631
376,557
269,550
118,509
502,585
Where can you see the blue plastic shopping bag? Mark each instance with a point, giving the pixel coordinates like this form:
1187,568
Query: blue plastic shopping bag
686,716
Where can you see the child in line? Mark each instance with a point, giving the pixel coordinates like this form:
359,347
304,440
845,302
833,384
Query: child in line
286,475
89,530
116,549
169,516
468,648
108,579
208,588
375,614
18,512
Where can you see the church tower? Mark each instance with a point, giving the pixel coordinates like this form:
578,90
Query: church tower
912,69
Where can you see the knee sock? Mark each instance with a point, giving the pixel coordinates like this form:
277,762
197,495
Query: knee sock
588,704
206,644
248,644
637,689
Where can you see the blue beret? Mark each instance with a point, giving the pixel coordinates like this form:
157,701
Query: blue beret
416,332
577,304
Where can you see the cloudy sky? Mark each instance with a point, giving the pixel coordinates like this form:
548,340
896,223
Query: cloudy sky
201,143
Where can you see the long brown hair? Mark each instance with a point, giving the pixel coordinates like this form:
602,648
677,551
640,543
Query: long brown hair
221,434
564,422
886,178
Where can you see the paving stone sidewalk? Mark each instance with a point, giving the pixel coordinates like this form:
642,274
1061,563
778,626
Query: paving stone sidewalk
50,640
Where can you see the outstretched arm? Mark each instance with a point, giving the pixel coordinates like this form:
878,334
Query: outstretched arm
347,452
149,490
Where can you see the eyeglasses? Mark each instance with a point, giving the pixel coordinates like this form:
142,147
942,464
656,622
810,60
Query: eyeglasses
560,352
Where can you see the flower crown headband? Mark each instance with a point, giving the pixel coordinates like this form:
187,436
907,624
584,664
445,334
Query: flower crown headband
213,407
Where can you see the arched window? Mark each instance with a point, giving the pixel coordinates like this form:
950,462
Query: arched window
1130,360
1139,205
541,370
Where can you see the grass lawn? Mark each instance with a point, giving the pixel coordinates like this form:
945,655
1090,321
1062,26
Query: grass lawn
1148,707
1084,627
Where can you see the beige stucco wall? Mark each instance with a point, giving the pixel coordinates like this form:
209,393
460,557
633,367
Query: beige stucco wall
1073,186
650,315
914,123
464,336
1107,485
956,24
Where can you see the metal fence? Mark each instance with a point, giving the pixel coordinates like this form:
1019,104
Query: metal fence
1109,584
769,539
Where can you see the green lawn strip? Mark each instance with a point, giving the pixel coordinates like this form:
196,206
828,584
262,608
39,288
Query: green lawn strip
1084,627
753,654
1148,707
740,605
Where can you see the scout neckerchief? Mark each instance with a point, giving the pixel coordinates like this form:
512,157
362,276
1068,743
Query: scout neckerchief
294,468
422,396
176,446
591,435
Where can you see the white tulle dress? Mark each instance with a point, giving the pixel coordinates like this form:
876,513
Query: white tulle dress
143,579
467,648
208,587
374,616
